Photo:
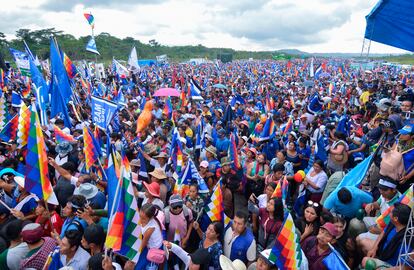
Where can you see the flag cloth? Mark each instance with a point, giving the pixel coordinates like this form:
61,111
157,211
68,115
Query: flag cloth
355,176
214,208
277,193
168,108
2,81
113,172
9,130
195,91
407,198
176,153
288,127
89,149
408,159
41,91
53,262
286,253
22,61
69,66
37,171
61,136
189,175
91,20
60,89
23,126
334,260
3,111
320,151
232,153
16,100
119,69
124,234
91,46
133,65
102,111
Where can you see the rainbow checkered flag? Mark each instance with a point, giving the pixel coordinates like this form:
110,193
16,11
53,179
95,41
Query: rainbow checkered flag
407,198
9,130
24,125
286,253
37,173
61,136
90,148
124,233
214,208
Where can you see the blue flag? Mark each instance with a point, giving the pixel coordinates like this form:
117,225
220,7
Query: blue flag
91,46
320,151
334,261
355,176
102,112
143,169
55,263
41,91
59,74
59,87
112,180
408,158
191,174
16,100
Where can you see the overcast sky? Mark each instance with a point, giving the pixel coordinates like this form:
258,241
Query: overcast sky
311,26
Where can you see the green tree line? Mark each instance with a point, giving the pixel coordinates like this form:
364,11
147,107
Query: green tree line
110,46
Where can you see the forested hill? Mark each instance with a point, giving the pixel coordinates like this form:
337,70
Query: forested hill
110,46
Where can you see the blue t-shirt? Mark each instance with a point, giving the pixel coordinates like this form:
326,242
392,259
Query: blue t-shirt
222,144
305,152
349,210
68,225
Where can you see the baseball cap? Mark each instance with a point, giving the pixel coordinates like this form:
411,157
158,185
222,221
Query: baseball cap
330,228
408,129
204,164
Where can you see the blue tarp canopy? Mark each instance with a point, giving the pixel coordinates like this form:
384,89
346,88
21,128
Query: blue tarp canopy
391,22
147,62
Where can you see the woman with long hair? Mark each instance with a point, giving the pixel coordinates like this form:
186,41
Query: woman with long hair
270,221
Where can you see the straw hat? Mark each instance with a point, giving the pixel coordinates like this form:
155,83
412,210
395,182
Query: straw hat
153,189
161,155
135,162
212,150
227,264
150,148
225,161
158,173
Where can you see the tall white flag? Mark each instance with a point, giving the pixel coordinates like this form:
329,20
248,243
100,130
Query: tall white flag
133,61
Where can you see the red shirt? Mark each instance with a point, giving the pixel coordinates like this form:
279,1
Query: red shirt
57,223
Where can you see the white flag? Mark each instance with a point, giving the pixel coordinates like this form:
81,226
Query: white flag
133,61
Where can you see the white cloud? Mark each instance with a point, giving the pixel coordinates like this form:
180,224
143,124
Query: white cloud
313,26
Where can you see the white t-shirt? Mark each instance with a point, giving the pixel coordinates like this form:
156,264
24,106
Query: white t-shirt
15,255
155,240
262,200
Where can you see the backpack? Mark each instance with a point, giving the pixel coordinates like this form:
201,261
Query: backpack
167,216
392,164
78,225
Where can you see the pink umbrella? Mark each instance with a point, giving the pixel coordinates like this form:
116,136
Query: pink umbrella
167,92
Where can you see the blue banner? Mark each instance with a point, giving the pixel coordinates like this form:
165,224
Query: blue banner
102,112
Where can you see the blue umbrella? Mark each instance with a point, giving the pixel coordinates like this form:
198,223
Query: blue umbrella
219,85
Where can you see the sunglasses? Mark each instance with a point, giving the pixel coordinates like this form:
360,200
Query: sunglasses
314,204
177,207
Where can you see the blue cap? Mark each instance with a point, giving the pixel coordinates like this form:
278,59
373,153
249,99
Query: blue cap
408,129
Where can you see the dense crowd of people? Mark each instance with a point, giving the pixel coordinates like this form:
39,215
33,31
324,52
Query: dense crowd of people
322,125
